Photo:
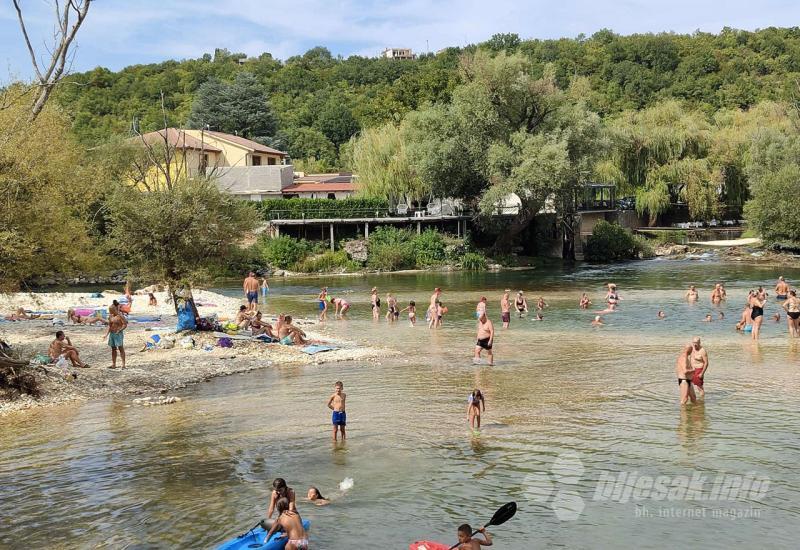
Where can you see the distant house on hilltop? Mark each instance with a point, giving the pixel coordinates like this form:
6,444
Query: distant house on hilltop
398,53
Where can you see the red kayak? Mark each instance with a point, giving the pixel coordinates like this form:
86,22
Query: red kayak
427,545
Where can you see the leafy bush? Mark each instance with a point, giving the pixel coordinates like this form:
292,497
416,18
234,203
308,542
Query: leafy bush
390,258
327,262
429,248
284,252
643,247
473,261
670,237
295,209
609,242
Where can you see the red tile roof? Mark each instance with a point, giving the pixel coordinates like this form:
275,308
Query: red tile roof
318,187
178,139
250,144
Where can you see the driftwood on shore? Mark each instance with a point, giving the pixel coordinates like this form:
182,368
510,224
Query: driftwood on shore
16,376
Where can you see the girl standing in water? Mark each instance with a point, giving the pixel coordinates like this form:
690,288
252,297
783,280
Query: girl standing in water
475,403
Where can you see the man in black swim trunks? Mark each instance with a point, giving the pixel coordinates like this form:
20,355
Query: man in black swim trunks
684,371
485,338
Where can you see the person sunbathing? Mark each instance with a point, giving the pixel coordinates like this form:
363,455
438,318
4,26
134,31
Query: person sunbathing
21,315
85,319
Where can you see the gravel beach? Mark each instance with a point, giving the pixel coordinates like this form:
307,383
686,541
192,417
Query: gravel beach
151,372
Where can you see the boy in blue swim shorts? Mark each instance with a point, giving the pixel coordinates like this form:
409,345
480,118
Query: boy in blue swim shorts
337,404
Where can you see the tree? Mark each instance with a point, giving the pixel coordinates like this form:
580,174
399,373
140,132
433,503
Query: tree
174,235
381,160
504,42
239,108
47,185
311,144
336,121
505,132
774,173
50,71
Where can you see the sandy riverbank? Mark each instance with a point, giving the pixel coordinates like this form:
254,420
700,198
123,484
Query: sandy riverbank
150,372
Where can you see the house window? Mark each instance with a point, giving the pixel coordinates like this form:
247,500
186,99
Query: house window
331,195
256,160
271,160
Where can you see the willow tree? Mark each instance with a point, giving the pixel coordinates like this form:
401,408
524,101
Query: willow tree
507,130
380,158
733,135
652,153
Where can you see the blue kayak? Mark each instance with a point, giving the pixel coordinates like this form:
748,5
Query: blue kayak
254,540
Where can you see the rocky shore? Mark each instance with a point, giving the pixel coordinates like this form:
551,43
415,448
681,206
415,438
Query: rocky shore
152,372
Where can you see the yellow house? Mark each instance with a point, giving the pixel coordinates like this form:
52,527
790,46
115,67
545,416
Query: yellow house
235,150
196,152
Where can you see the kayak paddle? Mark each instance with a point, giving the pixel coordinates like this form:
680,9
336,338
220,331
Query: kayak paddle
503,514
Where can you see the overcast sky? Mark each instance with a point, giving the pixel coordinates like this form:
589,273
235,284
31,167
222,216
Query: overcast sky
126,32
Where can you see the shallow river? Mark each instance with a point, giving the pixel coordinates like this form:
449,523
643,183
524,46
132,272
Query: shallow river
582,429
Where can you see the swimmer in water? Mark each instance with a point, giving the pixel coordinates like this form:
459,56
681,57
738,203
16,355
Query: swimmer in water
412,312
699,362
708,319
684,371
716,294
777,317
541,304
316,497
612,297
481,307
721,315
392,313
691,294
792,308
598,321
756,313
584,303
661,314
521,304
485,339
475,403
781,289
505,308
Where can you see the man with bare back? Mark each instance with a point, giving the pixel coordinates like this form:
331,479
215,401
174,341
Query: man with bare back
684,372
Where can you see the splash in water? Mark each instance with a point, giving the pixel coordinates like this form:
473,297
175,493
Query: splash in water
346,484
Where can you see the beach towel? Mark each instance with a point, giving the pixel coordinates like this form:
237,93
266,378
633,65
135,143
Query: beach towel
314,349
144,318
264,338
231,336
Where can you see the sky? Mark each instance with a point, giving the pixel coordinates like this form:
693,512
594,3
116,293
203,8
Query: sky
118,33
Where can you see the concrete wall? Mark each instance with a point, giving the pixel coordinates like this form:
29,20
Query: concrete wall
252,181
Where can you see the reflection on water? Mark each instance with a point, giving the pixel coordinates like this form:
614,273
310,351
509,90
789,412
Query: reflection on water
566,406
692,426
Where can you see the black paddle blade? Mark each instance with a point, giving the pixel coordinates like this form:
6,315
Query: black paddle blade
503,514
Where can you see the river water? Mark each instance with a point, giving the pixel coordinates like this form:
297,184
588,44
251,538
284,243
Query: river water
576,418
